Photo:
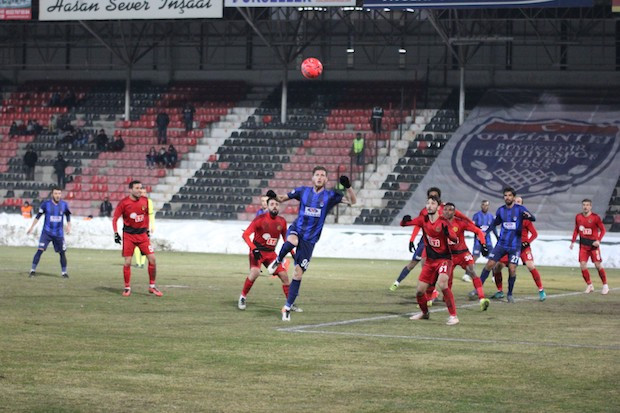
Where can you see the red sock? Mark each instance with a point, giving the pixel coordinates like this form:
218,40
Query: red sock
498,280
246,287
152,273
537,280
601,273
127,275
586,276
449,300
285,289
478,287
422,303
429,290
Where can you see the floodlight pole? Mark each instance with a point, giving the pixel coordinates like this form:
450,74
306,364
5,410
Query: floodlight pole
283,106
128,92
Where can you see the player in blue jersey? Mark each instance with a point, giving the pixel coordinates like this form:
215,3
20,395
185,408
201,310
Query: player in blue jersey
315,202
510,216
55,211
483,220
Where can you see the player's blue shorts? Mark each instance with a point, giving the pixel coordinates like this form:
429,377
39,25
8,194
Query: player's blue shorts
417,254
59,242
303,252
499,251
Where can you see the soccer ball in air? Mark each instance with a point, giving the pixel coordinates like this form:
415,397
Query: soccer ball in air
311,68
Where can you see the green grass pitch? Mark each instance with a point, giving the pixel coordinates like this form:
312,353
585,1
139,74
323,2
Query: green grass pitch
76,345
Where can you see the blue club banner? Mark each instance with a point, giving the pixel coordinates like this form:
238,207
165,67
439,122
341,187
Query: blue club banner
463,4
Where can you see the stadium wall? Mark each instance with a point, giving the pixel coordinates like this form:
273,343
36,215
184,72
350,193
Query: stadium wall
337,241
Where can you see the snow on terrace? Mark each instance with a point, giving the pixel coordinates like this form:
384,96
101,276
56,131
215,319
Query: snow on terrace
338,241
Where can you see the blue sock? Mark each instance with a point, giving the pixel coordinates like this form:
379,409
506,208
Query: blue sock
403,274
286,248
35,260
293,290
484,275
63,262
511,283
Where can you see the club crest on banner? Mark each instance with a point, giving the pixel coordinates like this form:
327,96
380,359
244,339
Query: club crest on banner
540,157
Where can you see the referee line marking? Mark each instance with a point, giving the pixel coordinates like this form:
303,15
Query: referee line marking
312,328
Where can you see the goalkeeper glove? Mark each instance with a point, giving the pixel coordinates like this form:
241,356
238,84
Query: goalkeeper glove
525,244
411,246
344,181
271,194
117,238
257,254
405,219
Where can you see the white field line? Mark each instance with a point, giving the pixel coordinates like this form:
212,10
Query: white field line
312,328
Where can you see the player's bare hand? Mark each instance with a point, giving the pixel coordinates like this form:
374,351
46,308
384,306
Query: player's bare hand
29,231
571,246
596,243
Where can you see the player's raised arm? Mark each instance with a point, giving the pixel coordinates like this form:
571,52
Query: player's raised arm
280,198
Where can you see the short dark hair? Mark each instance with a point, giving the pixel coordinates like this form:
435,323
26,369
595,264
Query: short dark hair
56,188
434,198
587,200
449,204
485,201
132,183
511,190
433,189
319,168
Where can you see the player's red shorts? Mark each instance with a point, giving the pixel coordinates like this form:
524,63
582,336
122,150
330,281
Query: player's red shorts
267,257
526,255
585,253
142,241
433,268
464,259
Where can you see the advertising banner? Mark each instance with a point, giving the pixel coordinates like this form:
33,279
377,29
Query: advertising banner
289,3
462,4
129,9
15,9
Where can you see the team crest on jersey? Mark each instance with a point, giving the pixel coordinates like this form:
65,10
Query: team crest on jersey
540,157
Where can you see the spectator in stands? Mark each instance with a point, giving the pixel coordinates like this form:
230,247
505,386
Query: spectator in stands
171,157
151,157
55,99
27,210
59,168
13,130
160,160
101,140
162,121
69,99
376,118
30,127
30,161
81,137
188,117
36,127
358,149
118,144
105,209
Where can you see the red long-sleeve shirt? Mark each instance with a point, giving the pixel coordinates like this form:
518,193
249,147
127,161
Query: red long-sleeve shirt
590,228
266,230
135,213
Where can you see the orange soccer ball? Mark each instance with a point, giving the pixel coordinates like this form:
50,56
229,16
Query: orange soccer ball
311,68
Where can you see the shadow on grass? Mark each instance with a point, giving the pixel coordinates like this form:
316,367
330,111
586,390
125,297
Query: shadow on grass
110,290
44,274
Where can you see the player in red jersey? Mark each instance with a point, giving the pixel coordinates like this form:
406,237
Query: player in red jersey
460,253
591,231
418,252
135,212
529,234
267,229
438,264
